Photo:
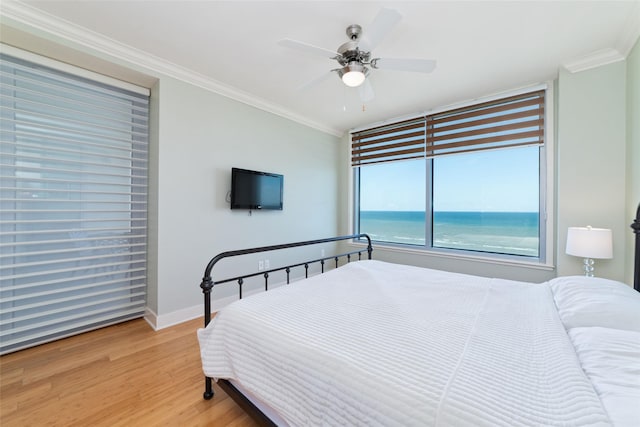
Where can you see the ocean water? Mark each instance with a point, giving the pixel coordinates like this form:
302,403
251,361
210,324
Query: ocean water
515,233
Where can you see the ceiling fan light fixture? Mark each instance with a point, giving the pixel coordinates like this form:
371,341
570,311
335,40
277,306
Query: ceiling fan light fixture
353,74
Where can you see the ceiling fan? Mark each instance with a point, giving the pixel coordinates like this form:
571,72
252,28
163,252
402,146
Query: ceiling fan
355,58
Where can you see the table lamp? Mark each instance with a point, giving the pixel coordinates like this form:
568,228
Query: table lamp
589,243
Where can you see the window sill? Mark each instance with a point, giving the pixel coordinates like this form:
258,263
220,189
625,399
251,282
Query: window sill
451,255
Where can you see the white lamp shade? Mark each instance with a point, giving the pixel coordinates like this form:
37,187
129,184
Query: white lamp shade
353,74
353,78
588,242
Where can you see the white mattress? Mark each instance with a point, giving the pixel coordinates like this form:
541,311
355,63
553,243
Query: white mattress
380,344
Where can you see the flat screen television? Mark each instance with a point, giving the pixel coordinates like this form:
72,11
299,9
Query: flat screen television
256,190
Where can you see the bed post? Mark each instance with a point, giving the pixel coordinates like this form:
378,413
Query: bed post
636,271
207,285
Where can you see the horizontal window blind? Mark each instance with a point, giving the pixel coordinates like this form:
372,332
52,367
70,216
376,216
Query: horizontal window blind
398,141
73,185
508,122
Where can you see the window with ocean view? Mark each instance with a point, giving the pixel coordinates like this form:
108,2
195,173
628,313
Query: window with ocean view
461,180
393,210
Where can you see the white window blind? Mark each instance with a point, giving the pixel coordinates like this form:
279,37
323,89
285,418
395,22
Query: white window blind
73,204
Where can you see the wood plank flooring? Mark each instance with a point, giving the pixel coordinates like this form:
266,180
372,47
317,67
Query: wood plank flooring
122,375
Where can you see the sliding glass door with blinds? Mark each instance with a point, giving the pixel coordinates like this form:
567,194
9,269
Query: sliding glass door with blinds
74,203
466,179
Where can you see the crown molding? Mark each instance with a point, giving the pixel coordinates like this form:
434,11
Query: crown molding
593,60
15,12
631,33
628,38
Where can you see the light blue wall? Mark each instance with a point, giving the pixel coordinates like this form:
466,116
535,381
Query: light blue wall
591,159
201,135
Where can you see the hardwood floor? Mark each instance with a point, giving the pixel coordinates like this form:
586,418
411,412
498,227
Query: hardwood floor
122,375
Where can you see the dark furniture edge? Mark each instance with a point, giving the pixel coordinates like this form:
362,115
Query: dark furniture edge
636,270
252,410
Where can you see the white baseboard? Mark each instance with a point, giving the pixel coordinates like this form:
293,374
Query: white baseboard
162,321
151,317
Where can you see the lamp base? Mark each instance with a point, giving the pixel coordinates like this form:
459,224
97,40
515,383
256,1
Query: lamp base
588,267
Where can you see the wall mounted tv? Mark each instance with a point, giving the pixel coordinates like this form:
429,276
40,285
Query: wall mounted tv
256,190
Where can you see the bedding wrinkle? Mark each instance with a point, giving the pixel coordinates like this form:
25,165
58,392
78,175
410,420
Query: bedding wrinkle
528,362
455,371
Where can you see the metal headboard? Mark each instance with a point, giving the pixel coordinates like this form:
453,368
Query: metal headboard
636,270
207,283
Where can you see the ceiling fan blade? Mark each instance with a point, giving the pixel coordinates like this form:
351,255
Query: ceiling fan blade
365,90
405,64
379,28
309,48
316,81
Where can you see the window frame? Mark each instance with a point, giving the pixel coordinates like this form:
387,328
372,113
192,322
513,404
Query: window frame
546,194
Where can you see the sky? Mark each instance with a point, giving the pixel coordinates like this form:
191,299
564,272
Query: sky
489,181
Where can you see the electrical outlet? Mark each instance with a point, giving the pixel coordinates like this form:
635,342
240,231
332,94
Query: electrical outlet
260,265
266,264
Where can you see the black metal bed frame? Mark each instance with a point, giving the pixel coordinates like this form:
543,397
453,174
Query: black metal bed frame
208,283
636,270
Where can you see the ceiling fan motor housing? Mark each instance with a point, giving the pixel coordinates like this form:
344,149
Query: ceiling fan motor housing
350,52
354,31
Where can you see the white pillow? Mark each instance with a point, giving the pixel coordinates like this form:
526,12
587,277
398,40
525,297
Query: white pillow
593,301
611,360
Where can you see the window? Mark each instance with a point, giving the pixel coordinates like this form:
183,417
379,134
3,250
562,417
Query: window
393,210
73,203
467,179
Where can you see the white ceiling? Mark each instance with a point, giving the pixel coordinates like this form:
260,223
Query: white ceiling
482,47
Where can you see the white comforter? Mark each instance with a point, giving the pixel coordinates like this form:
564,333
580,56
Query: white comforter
373,343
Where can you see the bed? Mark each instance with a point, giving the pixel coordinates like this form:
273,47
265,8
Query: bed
374,343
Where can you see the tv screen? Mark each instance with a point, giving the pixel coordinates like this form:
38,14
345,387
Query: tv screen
256,190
